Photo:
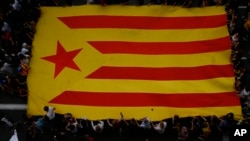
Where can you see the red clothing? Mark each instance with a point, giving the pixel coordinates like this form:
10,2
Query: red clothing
7,36
24,69
91,139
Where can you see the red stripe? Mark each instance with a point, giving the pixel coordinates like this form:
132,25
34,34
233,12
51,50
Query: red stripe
146,99
170,73
143,22
109,47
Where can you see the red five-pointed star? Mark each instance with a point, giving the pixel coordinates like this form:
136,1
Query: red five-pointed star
63,59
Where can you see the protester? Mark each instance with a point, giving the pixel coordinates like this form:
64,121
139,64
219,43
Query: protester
50,112
160,127
98,127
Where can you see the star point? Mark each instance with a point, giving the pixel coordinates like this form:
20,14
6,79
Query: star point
63,59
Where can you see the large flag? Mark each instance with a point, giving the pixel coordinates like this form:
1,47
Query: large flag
153,61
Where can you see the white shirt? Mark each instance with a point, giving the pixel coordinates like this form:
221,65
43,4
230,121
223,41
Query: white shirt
244,93
24,52
235,37
76,127
145,125
7,68
89,1
6,27
51,114
158,128
14,137
16,5
100,124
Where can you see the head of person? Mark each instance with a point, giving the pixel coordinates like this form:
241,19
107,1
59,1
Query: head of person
145,120
46,108
115,122
230,116
98,128
176,117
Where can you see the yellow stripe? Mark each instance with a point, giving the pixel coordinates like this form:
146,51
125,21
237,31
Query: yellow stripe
162,11
187,86
141,35
154,113
185,60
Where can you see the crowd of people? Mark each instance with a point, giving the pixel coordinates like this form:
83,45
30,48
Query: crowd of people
18,20
57,127
66,127
239,29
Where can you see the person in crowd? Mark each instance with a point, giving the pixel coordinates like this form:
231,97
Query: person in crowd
42,123
145,123
98,127
7,79
160,127
196,130
183,134
32,134
187,3
245,93
227,122
73,126
141,2
113,126
145,126
90,1
123,2
50,112
244,96
69,2
16,5
216,132
175,123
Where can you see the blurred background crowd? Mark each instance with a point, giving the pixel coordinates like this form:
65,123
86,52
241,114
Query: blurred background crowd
18,20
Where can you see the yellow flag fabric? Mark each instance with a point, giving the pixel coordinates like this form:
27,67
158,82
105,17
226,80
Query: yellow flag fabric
154,61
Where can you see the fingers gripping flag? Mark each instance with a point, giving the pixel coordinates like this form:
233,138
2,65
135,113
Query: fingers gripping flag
150,61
